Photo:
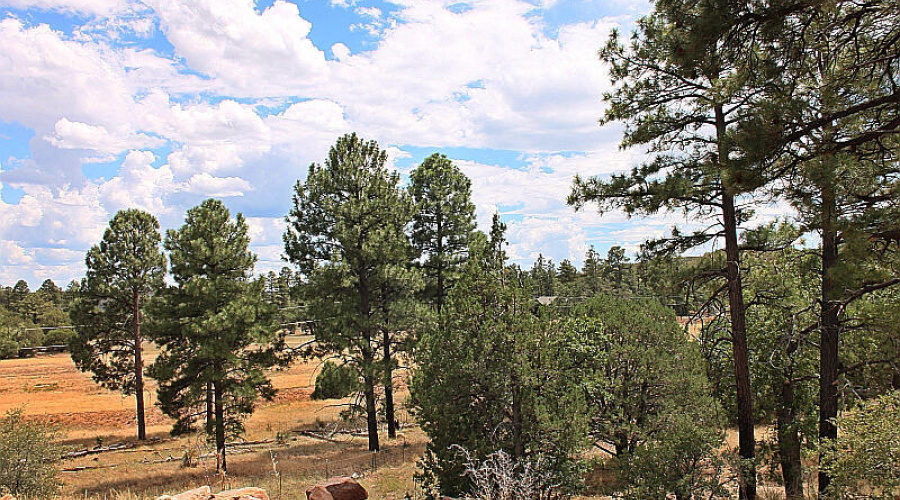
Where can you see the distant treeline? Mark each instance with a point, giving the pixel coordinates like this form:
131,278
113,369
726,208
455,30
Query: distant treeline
34,318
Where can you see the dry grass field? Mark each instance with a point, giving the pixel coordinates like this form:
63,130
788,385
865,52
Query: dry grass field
278,452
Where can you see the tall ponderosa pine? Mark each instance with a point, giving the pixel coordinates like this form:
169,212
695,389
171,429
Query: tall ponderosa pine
123,272
681,91
826,135
443,222
214,327
346,235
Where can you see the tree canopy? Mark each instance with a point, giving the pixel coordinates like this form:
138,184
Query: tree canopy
346,235
124,271
215,330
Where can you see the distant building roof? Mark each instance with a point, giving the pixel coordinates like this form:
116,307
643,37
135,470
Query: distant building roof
546,300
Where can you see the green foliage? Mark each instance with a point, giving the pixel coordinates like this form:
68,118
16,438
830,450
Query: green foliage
677,104
567,272
59,337
283,290
18,294
16,332
123,271
52,292
44,307
864,463
682,91
215,330
823,132
779,286
8,348
487,379
335,381
543,277
632,361
682,459
646,395
346,235
28,457
443,222
613,275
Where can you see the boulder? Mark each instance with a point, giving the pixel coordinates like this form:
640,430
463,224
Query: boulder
242,494
318,493
339,488
201,493
204,493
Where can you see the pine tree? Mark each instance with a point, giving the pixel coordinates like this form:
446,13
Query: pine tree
681,90
593,267
346,235
51,292
18,295
543,276
616,262
823,133
124,271
567,273
443,222
215,330
486,380
646,393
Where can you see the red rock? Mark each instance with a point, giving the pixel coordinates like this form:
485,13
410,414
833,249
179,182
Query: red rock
242,494
201,493
318,493
341,488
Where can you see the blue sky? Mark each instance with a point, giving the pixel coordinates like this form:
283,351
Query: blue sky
158,104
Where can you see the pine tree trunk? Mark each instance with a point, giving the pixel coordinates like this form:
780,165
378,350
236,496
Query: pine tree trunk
139,369
517,427
789,442
440,263
518,441
830,328
220,429
371,415
210,399
746,438
389,386
747,441
368,364
895,378
440,288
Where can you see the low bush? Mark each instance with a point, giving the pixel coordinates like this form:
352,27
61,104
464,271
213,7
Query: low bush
335,381
864,463
8,348
28,457
58,337
501,477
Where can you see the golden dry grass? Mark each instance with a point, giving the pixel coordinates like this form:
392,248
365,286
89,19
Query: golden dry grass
50,388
